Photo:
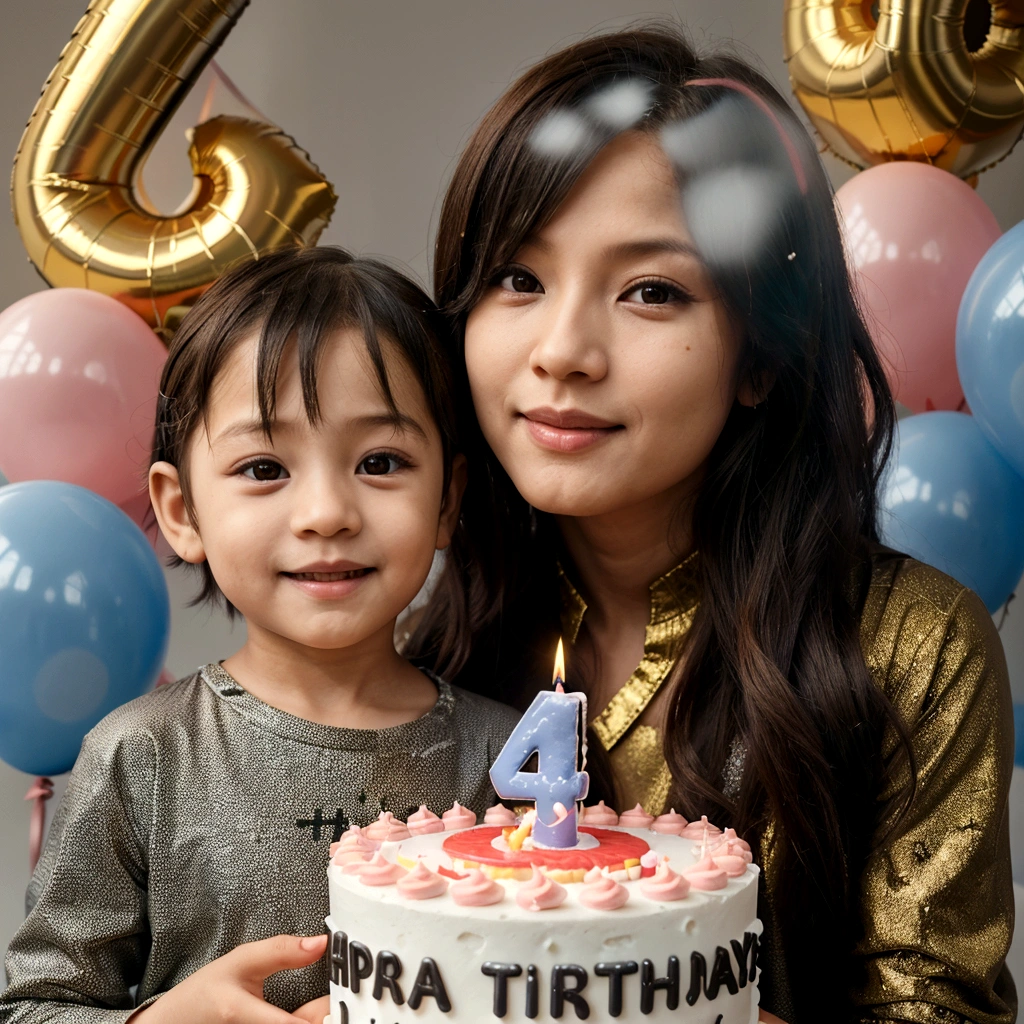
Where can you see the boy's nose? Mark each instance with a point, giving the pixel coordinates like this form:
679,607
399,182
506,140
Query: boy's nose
325,507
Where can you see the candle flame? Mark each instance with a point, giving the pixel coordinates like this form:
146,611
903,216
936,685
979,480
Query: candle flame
559,674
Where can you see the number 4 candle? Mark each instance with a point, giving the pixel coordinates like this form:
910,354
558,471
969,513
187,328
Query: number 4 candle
551,729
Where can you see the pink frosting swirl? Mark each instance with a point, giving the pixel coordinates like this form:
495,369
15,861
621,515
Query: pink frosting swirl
499,814
381,871
457,817
422,884
424,822
354,862
636,818
541,892
601,892
599,814
477,890
695,830
670,824
732,848
729,835
733,866
666,886
378,830
706,875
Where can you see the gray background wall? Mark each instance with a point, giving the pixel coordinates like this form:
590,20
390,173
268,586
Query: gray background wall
382,93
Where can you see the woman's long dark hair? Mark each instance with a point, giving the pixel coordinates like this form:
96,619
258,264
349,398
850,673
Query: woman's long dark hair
783,521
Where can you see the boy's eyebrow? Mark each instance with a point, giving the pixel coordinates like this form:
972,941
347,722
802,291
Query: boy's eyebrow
398,420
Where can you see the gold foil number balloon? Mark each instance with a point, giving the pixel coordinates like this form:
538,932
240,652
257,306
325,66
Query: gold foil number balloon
117,83
905,87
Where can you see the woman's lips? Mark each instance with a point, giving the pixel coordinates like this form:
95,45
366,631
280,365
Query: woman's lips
566,430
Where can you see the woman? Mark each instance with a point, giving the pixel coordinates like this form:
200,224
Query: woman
681,427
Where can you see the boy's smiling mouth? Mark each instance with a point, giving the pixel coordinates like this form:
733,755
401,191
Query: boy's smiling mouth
330,572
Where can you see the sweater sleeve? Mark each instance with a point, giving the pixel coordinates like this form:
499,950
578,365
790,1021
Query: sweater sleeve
937,894
83,947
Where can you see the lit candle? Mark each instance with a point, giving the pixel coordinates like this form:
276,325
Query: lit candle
551,729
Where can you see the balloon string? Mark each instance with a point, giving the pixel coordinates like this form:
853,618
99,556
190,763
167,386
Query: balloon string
41,791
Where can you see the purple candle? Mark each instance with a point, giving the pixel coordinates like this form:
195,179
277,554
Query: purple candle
551,730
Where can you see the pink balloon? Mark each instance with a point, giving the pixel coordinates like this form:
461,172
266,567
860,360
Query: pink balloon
79,378
914,235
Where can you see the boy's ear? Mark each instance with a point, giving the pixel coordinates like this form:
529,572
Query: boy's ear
169,505
754,387
452,502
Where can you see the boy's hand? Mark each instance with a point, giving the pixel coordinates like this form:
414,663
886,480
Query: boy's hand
230,989
314,1011
765,1017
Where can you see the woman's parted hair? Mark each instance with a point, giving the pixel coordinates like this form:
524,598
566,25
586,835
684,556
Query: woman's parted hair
786,512
300,296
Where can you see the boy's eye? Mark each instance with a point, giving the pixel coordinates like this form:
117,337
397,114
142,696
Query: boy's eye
518,280
380,464
264,470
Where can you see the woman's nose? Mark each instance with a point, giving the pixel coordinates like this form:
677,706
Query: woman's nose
326,505
570,341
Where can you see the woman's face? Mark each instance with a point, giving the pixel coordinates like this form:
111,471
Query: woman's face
602,362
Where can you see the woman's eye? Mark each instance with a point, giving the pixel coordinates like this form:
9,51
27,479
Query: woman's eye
520,281
380,464
264,471
654,293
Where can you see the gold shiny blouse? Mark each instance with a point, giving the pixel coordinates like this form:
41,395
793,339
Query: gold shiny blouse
937,897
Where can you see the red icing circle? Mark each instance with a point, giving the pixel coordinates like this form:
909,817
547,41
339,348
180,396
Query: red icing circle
474,844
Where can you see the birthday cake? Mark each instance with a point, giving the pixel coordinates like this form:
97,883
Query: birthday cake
561,912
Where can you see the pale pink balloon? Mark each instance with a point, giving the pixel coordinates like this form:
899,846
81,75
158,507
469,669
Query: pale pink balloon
79,378
914,235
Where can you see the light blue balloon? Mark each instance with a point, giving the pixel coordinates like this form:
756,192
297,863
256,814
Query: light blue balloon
990,345
951,500
84,619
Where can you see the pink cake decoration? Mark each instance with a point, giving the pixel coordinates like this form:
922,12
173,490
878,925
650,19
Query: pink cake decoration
601,892
380,871
477,890
458,817
541,892
599,814
670,824
636,818
424,822
422,884
666,886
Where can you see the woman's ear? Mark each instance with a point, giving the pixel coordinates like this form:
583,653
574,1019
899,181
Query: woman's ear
754,387
452,502
169,505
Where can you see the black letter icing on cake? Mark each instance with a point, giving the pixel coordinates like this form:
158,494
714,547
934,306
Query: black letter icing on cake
560,995
500,973
721,974
389,970
360,963
429,983
532,992
339,959
649,984
614,972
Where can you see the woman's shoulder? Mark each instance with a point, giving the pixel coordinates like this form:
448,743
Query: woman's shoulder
923,632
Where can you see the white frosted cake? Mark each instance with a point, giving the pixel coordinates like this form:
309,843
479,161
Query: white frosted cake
440,919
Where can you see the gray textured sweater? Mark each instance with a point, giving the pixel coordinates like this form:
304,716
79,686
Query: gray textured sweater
197,818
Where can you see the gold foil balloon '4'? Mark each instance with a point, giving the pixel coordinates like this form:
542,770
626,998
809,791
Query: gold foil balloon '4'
906,87
129,64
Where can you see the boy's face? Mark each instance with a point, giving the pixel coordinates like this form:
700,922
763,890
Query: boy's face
324,534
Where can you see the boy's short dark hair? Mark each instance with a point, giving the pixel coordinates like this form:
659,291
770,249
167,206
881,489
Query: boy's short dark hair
302,294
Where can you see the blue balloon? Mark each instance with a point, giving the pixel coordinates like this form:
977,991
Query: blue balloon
990,345
84,619
951,500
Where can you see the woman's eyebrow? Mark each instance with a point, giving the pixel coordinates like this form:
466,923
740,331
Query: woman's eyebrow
652,247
